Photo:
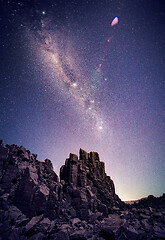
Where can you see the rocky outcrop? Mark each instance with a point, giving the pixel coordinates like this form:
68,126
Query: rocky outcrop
36,205
26,182
88,185
151,201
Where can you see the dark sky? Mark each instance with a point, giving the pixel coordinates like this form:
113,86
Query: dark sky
68,79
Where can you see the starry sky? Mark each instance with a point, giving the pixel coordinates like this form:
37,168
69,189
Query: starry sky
69,79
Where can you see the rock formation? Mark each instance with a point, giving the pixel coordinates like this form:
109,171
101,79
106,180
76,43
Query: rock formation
88,185
36,205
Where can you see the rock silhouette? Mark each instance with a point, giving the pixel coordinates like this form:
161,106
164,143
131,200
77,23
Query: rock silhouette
82,204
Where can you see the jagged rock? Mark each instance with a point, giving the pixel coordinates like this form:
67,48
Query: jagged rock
61,235
78,235
66,227
4,204
75,221
159,232
157,215
29,182
95,216
44,225
14,213
33,222
90,187
34,204
144,216
22,222
38,236
69,171
131,233
49,164
152,202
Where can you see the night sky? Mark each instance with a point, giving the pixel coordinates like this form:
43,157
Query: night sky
68,79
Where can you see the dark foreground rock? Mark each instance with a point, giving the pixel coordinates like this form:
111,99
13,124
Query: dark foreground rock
36,205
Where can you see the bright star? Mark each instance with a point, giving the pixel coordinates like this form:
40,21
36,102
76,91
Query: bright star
74,84
43,12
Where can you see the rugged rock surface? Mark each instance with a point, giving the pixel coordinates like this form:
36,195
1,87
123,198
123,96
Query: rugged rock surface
88,185
36,205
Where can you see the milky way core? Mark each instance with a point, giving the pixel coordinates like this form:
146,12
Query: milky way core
61,63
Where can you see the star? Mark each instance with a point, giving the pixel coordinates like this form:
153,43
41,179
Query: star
74,84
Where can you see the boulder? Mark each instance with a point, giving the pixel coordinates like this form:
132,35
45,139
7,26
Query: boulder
37,236
14,213
78,235
61,235
33,222
75,221
44,225
131,233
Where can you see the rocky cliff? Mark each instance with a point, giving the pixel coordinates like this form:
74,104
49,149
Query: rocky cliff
82,204
89,188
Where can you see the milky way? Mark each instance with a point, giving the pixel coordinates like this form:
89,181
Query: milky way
54,51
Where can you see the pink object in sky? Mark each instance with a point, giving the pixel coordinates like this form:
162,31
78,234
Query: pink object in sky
115,21
109,39
100,65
